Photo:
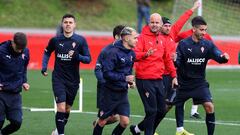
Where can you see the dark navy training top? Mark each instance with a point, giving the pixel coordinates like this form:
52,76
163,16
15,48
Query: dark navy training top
192,59
66,67
117,65
13,68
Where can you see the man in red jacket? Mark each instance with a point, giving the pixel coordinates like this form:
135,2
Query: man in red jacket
152,55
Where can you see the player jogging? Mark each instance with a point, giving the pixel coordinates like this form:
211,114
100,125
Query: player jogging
70,49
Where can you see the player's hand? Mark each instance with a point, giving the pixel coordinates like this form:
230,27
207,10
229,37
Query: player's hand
225,55
150,52
70,53
196,5
1,87
174,82
26,86
174,56
130,79
132,86
44,72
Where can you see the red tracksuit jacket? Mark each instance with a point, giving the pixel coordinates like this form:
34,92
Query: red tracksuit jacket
176,28
152,67
189,33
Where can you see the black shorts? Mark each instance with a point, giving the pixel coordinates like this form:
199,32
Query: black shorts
200,94
64,92
11,106
99,94
114,102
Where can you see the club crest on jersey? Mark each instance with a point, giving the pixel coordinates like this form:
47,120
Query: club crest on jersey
202,49
73,44
23,56
147,94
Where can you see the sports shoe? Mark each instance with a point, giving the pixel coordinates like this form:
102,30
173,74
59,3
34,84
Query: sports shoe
155,133
132,130
184,132
54,132
195,116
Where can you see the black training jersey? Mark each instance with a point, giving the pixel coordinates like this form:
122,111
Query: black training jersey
192,58
66,67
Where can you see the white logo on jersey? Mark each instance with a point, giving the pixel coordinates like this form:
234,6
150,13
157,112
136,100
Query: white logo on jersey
63,56
150,42
23,56
189,49
61,44
123,60
202,49
147,94
196,61
73,44
8,56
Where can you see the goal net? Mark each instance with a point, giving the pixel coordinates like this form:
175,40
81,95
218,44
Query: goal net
222,16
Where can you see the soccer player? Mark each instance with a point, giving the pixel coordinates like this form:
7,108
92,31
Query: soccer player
117,72
191,60
152,54
99,73
14,58
183,35
170,32
70,49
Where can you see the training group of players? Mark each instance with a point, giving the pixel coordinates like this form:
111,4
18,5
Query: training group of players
163,69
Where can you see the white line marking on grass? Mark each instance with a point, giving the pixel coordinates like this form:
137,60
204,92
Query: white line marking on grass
225,123
189,121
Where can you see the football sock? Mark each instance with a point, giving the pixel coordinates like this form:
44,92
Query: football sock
210,122
118,130
194,109
10,128
97,130
137,130
60,122
66,118
180,129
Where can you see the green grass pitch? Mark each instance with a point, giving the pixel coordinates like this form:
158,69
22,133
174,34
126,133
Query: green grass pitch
224,84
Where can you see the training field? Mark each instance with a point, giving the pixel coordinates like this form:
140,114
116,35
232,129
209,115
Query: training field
225,88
